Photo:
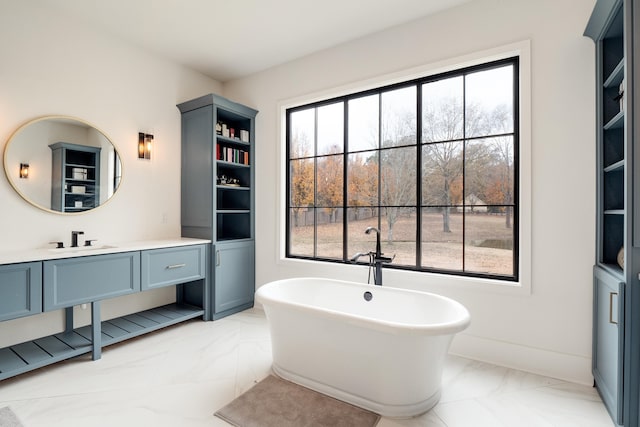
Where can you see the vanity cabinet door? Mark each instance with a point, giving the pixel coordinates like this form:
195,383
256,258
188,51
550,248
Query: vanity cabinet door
608,340
170,266
234,276
72,281
20,290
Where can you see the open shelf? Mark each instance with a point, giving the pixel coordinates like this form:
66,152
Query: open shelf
133,325
35,354
234,141
616,122
614,269
30,355
616,76
619,165
224,163
233,224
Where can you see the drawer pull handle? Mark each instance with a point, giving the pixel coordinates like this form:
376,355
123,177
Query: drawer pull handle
611,294
174,266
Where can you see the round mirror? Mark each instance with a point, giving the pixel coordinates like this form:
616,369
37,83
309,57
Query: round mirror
62,164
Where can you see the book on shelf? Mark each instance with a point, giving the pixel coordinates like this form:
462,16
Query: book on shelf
233,155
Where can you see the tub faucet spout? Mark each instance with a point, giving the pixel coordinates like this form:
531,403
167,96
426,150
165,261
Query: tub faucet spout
359,255
376,259
368,231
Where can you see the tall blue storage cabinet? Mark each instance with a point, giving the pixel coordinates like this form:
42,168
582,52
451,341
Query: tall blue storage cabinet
616,291
218,137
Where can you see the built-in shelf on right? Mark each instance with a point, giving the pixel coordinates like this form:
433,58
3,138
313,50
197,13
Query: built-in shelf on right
615,258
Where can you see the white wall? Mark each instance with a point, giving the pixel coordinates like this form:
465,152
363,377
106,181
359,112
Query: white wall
548,330
52,64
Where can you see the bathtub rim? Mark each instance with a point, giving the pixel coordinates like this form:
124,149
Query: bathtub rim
442,328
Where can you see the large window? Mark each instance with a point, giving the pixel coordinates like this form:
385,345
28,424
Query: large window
432,163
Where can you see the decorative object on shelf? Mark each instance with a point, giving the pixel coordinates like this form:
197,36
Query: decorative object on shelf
78,204
620,258
78,189
145,144
24,170
79,173
231,132
621,95
224,180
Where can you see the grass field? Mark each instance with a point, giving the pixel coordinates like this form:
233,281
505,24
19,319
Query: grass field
488,248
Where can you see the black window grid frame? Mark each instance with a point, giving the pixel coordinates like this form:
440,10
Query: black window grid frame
418,206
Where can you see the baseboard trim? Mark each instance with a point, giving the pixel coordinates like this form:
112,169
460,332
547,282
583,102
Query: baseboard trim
568,367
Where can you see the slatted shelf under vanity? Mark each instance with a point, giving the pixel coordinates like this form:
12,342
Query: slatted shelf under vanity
30,355
35,354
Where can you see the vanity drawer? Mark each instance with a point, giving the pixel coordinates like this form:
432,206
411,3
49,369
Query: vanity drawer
170,266
20,290
72,281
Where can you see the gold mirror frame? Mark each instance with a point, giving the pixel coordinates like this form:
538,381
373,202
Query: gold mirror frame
47,131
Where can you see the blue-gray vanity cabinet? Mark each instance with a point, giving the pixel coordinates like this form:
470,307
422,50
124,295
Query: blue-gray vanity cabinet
72,281
20,290
234,277
171,266
30,288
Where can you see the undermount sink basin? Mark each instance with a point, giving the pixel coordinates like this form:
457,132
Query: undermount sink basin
82,249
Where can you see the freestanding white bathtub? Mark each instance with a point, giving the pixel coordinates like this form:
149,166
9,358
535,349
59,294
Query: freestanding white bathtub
379,348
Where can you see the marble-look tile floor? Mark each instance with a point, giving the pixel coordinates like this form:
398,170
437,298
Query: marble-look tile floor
181,375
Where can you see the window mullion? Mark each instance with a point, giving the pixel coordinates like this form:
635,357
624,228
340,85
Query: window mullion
418,176
379,161
315,182
464,171
345,183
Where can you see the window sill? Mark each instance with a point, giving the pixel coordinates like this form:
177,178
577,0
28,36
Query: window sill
414,280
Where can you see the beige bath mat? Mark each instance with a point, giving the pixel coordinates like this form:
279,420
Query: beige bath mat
274,402
8,418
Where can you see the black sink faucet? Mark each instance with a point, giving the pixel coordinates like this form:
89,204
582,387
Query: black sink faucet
74,238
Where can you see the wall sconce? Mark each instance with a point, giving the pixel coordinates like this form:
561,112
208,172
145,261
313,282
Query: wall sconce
145,143
24,170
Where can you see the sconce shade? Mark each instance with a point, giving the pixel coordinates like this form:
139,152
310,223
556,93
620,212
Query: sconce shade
145,143
24,170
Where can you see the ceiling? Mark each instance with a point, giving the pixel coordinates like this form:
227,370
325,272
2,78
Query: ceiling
229,39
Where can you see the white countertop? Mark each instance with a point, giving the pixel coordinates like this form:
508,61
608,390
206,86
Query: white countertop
42,254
